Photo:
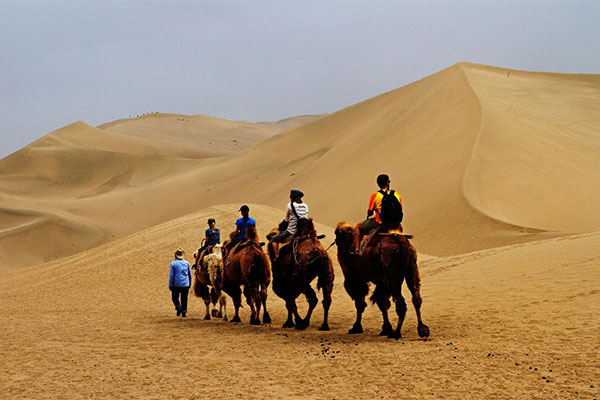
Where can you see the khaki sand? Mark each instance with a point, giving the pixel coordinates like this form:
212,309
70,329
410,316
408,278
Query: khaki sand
512,322
499,174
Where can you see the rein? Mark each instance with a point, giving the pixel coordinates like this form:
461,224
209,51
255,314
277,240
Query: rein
295,253
332,243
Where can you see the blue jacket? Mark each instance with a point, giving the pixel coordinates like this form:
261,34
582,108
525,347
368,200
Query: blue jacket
181,274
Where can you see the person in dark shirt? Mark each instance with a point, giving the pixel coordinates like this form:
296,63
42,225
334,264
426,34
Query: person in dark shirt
212,237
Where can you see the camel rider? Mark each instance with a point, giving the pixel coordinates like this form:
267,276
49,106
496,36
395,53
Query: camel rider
295,210
374,212
240,227
212,237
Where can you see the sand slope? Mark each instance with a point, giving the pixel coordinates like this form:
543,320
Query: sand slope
540,135
200,136
73,189
514,322
473,150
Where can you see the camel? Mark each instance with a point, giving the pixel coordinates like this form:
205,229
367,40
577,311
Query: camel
248,265
386,261
299,263
208,273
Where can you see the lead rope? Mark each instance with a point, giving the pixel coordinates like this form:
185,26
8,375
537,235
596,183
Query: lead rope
295,253
330,245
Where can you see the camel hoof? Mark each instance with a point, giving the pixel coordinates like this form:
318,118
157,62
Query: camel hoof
395,335
423,330
288,324
302,324
207,317
386,330
225,318
214,313
324,327
236,319
255,321
266,318
355,330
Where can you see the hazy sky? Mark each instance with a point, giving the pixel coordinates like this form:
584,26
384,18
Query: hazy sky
61,62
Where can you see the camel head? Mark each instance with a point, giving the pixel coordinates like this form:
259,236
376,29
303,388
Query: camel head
272,233
217,248
344,235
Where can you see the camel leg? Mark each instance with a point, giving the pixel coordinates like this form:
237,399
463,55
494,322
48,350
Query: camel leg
214,298
311,297
250,300
223,306
207,304
204,293
357,291
257,303
293,309
401,311
414,287
236,296
327,289
289,323
360,305
263,299
381,296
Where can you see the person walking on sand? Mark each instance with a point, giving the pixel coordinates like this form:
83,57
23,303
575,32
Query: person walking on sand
180,280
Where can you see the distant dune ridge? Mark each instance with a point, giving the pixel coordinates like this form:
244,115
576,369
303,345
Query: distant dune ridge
483,156
499,171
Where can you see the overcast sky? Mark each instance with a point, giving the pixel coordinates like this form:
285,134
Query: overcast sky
61,62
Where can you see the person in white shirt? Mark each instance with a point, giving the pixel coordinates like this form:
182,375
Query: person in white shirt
295,210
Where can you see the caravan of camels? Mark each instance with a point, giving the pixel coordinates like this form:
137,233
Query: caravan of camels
384,257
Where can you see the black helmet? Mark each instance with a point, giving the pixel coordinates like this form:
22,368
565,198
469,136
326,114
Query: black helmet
244,208
211,221
383,180
296,194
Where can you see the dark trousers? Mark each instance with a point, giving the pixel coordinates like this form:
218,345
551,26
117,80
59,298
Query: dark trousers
176,293
281,237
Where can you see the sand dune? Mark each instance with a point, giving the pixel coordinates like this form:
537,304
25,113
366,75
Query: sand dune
68,186
473,150
513,322
499,174
200,136
540,135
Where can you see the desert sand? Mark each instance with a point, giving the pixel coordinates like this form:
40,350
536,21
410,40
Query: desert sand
499,174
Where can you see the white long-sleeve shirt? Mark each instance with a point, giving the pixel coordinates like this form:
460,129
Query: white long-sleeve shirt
301,210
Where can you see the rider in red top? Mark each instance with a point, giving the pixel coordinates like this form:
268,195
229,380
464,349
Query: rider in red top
373,212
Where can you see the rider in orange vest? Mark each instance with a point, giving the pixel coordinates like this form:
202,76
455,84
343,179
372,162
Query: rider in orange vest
374,211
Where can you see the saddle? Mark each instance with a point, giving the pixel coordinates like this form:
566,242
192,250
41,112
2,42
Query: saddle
297,239
396,232
238,247
367,239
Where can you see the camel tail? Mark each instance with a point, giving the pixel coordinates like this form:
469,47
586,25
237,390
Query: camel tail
259,270
414,267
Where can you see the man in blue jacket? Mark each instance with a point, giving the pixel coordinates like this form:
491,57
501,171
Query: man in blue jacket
180,280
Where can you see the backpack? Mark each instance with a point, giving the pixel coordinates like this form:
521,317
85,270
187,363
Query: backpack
391,209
